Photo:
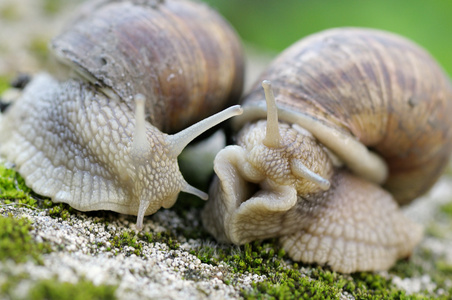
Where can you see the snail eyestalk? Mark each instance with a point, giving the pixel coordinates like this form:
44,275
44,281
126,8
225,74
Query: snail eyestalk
302,171
181,139
272,136
140,145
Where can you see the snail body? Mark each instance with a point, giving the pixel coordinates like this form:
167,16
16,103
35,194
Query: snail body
363,127
95,141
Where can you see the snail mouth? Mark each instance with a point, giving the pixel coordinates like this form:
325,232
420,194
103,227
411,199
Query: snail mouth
240,211
251,190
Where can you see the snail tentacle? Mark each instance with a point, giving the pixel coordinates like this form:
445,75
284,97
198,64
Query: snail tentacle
140,146
187,188
272,136
181,139
300,169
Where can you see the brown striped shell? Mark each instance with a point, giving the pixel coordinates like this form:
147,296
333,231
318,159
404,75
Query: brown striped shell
379,88
149,47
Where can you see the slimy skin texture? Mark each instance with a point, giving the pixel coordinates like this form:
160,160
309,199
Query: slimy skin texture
75,145
379,107
72,144
353,226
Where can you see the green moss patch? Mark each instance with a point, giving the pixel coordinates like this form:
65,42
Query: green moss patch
13,188
14,191
83,290
16,242
287,280
52,7
57,210
52,289
447,209
38,46
136,241
4,83
10,12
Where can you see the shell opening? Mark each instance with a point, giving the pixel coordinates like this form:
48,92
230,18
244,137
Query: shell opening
272,136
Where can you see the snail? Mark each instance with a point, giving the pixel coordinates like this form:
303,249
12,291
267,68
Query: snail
88,140
361,125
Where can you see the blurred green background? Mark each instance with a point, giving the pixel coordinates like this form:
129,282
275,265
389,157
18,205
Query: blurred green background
274,25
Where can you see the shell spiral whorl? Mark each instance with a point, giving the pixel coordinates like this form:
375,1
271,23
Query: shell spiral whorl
382,89
151,47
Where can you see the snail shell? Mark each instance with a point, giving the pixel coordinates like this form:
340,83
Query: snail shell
88,141
357,108
149,47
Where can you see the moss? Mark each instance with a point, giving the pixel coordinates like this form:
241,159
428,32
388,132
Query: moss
444,267
4,83
136,241
52,7
303,288
8,287
53,289
447,209
126,238
13,188
10,12
161,237
285,280
16,242
38,46
57,210
82,290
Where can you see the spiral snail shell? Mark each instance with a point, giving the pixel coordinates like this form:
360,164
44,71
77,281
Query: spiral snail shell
357,108
88,141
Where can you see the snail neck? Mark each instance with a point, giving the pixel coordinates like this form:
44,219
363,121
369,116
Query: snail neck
150,162
277,145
